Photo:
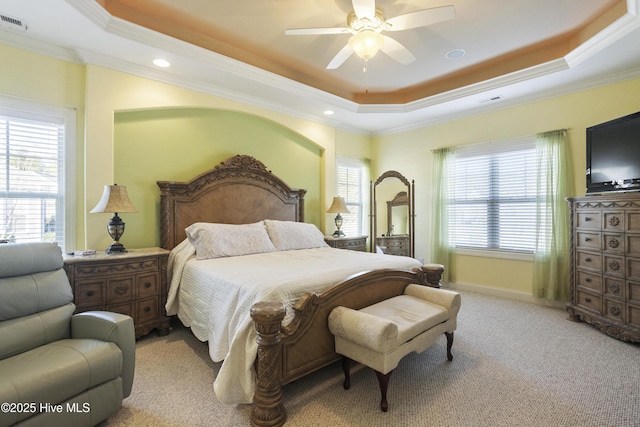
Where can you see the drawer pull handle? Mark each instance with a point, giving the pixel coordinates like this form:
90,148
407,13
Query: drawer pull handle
587,239
90,293
147,309
587,299
588,280
587,259
147,285
587,218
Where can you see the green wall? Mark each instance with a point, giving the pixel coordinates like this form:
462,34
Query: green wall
177,144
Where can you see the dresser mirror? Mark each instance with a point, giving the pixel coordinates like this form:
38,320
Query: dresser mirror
392,217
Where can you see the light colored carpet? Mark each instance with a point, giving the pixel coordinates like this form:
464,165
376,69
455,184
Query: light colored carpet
515,364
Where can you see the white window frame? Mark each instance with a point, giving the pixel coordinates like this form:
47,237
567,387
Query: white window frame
23,109
363,202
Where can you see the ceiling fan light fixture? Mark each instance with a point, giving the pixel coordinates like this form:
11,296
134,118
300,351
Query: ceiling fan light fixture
366,43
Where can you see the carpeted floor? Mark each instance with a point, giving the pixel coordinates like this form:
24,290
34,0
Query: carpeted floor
515,364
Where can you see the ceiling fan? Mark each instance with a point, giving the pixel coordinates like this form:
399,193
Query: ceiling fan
366,22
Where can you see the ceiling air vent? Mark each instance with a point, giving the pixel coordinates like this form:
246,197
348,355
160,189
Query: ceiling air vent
13,23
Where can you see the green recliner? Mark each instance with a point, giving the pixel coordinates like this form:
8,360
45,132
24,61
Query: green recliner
57,368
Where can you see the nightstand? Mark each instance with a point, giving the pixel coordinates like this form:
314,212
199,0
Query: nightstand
355,243
132,283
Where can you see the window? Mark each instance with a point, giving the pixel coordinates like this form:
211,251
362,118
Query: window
33,185
492,193
352,185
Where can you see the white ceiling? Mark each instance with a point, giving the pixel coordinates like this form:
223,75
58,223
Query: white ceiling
543,48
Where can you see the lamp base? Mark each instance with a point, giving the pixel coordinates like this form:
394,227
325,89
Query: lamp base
338,233
115,247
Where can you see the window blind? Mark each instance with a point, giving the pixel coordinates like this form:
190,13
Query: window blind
32,186
351,177
492,193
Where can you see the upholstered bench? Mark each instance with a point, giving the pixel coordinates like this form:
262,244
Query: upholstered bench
380,335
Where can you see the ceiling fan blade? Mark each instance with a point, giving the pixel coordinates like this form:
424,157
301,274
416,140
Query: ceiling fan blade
339,59
421,18
364,8
313,31
396,51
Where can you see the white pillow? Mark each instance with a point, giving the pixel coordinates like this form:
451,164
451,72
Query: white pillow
290,235
223,240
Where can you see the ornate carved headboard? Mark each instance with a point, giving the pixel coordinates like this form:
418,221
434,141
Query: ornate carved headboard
239,190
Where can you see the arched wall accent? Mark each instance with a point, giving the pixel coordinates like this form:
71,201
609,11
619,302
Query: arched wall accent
177,143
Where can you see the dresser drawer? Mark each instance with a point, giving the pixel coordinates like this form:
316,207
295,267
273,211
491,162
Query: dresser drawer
588,240
613,221
589,280
587,300
120,289
633,269
633,315
614,287
146,309
110,268
613,265
614,310
89,293
632,245
633,292
589,260
613,243
147,285
589,220
633,221
124,308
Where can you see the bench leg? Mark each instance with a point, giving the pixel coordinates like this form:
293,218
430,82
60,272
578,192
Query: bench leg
383,380
449,344
347,374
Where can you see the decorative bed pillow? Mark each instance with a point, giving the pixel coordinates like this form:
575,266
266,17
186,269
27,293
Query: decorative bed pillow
290,235
223,240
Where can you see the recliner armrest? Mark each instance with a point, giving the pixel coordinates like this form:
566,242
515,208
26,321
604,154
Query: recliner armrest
111,327
442,297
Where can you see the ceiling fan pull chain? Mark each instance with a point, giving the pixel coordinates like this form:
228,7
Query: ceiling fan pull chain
366,76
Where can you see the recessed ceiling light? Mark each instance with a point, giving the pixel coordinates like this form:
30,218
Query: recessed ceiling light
328,113
163,63
455,54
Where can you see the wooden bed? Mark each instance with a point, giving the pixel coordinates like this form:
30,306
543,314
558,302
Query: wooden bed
241,191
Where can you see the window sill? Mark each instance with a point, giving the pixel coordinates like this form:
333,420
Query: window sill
516,256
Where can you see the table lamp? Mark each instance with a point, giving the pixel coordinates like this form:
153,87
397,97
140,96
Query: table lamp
338,206
115,199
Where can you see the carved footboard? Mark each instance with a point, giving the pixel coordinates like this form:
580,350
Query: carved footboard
286,353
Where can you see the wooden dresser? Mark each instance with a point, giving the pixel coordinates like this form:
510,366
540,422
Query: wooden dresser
394,245
605,263
355,243
132,283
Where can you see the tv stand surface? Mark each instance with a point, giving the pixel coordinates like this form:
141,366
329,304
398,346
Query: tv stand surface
605,263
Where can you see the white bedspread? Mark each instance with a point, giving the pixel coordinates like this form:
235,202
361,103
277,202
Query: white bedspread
214,297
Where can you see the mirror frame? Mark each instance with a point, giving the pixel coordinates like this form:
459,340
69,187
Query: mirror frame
410,194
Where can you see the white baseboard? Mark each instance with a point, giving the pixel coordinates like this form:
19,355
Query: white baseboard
504,293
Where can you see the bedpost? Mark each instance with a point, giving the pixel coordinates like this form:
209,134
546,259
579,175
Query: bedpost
432,274
268,409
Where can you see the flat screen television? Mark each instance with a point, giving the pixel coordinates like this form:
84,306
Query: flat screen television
613,155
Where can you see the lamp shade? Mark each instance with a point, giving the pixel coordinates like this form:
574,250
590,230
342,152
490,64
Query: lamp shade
366,43
338,206
114,199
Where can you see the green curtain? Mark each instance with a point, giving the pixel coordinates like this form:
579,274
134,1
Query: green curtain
440,248
554,184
